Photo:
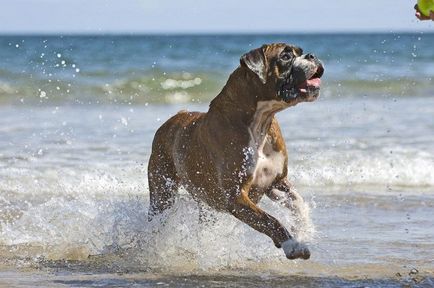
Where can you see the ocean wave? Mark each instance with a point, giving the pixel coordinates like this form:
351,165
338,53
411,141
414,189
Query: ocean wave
178,88
381,168
329,168
162,87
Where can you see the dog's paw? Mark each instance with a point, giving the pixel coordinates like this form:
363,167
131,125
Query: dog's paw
294,249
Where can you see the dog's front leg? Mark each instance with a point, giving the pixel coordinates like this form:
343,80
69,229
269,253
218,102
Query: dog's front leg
283,193
247,211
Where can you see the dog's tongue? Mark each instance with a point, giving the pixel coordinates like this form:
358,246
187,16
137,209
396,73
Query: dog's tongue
315,82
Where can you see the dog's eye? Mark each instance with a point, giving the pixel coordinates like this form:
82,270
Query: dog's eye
285,56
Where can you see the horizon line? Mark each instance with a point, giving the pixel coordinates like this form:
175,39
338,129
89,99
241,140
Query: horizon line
203,33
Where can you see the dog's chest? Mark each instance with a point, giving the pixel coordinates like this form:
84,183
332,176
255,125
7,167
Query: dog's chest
267,166
263,162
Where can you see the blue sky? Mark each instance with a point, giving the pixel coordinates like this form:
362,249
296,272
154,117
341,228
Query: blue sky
196,16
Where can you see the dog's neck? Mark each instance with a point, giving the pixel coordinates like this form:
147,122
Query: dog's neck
238,97
262,119
241,101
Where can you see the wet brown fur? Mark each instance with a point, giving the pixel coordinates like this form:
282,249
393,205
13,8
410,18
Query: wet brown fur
204,153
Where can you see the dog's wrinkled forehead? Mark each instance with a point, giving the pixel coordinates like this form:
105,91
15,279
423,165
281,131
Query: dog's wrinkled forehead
273,51
261,59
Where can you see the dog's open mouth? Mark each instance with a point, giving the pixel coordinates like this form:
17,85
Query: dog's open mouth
308,88
310,85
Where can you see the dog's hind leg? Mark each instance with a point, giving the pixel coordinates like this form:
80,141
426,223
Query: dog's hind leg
163,183
247,211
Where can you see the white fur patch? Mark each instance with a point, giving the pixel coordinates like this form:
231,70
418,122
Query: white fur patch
267,167
267,163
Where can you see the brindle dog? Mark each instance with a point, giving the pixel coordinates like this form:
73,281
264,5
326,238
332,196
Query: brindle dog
234,154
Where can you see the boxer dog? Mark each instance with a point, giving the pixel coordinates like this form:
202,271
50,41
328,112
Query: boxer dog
234,154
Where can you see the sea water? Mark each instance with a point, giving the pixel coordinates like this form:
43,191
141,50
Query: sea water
78,115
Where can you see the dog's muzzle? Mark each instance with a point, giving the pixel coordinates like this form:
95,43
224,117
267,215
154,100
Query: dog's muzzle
291,88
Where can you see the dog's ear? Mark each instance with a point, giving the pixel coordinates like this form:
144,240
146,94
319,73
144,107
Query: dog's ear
256,62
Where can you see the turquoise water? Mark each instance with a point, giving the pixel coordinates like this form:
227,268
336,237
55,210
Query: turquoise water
75,138
141,69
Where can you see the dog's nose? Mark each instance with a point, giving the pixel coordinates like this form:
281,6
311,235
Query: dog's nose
309,56
319,71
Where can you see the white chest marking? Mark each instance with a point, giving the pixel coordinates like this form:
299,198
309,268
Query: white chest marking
268,166
267,163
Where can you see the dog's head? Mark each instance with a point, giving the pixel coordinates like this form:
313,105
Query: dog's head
285,72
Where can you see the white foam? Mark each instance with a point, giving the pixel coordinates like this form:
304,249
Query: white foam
389,166
77,225
170,84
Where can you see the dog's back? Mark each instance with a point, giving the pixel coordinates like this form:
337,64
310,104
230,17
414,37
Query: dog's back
179,125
